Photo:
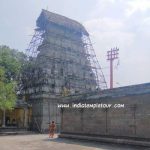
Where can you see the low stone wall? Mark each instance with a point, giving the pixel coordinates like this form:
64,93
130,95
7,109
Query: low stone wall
131,119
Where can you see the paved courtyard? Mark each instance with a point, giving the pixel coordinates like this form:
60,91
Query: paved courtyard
42,142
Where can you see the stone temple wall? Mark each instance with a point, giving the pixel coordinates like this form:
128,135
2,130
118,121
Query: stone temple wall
131,121
45,110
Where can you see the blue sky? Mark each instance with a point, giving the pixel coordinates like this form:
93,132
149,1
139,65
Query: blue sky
121,23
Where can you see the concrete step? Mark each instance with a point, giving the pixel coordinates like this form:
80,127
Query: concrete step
9,129
128,141
15,131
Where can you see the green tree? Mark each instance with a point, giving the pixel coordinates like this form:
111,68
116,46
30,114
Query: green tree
12,61
11,64
7,94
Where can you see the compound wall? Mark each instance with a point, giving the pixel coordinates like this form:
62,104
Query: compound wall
130,119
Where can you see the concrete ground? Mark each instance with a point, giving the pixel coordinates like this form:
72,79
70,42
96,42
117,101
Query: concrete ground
42,142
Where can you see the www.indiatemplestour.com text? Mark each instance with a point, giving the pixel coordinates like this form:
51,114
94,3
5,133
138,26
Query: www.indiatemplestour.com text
94,105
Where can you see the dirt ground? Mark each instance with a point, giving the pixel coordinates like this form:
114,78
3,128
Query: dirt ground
42,142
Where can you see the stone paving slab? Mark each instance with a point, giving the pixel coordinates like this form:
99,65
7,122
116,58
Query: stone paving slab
42,142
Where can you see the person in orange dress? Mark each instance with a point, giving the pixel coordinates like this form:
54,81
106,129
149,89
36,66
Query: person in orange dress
52,128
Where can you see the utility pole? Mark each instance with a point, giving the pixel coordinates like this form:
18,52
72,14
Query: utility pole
111,56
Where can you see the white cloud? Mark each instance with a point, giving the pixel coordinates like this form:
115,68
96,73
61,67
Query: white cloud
104,24
29,31
137,5
129,32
